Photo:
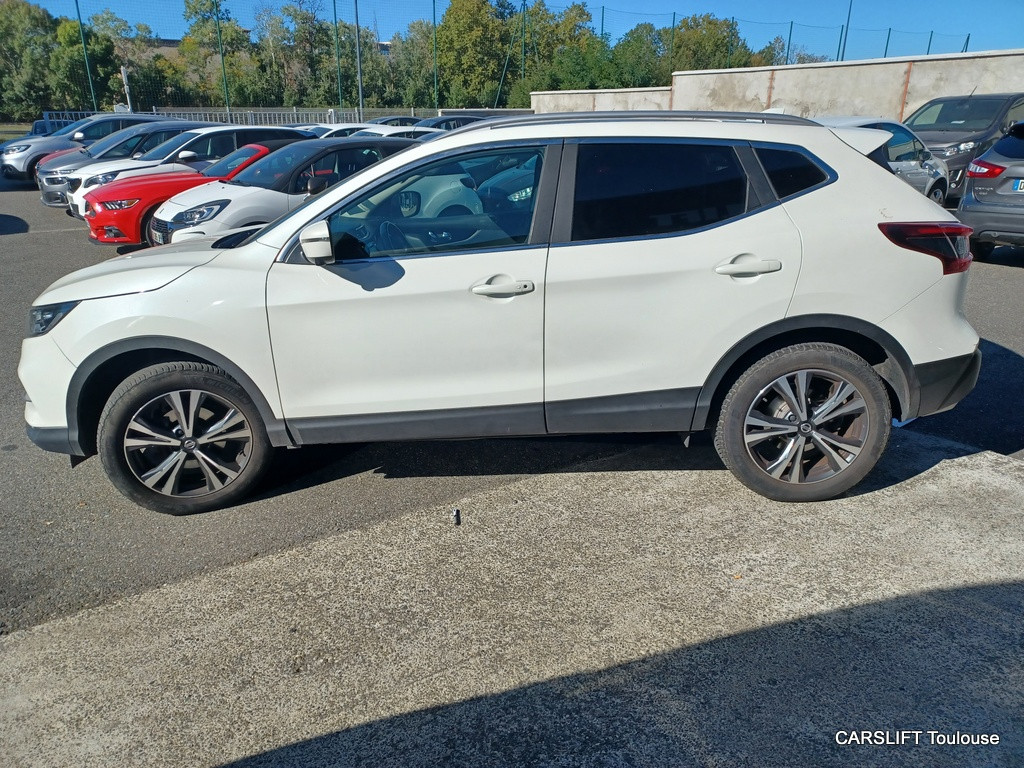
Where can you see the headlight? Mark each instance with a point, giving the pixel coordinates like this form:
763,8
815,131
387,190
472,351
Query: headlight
959,149
522,194
16,149
117,205
103,178
42,319
203,212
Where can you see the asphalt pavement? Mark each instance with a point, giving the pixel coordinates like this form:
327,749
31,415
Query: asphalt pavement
601,602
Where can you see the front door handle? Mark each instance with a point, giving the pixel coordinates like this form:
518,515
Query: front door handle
516,288
749,268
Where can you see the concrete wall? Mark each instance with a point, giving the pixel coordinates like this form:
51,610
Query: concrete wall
885,87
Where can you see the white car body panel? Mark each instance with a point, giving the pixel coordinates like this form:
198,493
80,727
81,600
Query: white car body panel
638,316
125,168
249,205
328,331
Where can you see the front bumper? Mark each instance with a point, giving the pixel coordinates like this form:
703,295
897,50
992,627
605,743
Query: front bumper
12,172
944,383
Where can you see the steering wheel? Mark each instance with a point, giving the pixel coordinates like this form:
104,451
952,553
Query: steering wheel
391,238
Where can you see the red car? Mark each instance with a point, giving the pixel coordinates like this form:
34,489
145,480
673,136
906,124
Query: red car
119,212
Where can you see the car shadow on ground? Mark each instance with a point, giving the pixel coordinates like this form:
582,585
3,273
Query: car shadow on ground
782,695
991,418
1006,256
12,225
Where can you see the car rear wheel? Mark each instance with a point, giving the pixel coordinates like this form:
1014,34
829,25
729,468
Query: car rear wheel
805,423
181,438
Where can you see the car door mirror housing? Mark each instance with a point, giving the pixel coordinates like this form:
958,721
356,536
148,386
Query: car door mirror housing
315,185
315,241
925,155
79,136
187,156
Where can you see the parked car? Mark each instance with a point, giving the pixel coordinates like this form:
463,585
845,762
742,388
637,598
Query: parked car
333,130
448,122
118,213
399,131
993,200
754,275
268,188
959,128
192,151
20,156
395,120
52,171
47,126
905,153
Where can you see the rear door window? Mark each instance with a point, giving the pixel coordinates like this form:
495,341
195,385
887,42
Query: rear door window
636,189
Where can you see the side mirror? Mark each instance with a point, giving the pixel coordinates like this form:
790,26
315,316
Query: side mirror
78,136
315,241
188,156
409,203
315,185
926,155
136,156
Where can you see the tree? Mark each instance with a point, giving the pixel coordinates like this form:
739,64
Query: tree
412,67
706,42
67,75
27,35
470,53
639,59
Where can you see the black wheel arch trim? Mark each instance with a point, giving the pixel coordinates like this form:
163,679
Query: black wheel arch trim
898,371
277,431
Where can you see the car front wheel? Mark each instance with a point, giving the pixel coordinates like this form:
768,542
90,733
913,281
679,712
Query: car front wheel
805,423
181,438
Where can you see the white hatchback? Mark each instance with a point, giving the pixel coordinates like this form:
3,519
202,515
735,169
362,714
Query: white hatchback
754,275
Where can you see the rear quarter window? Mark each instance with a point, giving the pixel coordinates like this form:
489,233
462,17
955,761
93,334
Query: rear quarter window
637,189
1012,144
789,171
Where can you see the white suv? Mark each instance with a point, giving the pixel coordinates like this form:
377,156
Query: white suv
755,275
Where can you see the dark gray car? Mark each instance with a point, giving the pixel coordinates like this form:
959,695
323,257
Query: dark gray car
51,175
959,128
993,199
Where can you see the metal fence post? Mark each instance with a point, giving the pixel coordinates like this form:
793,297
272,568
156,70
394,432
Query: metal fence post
930,36
223,67
888,35
85,55
359,65
789,42
337,53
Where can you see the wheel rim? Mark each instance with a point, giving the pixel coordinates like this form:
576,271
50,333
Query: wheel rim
187,443
806,426
938,195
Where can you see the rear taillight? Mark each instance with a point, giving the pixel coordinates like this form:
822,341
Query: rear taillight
946,241
979,169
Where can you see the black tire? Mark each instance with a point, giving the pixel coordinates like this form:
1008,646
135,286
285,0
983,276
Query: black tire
981,251
155,439
938,193
780,452
145,239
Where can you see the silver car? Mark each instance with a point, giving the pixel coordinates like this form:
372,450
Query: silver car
993,199
51,175
907,155
21,155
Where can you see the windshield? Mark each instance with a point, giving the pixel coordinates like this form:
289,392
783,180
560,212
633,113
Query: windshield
169,147
111,141
960,115
266,171
223,167
67,130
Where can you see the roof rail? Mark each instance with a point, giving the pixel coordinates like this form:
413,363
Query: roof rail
587,117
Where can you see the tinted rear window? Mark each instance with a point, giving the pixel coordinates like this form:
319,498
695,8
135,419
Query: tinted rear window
789,171
635,189
1012,144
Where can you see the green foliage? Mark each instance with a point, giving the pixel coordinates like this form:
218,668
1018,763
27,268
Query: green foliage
489,53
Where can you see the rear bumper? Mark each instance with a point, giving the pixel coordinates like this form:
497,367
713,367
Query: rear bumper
944,383
993,226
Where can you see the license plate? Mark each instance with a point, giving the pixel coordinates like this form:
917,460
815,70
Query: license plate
1018,185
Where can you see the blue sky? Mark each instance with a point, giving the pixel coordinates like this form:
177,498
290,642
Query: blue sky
995,24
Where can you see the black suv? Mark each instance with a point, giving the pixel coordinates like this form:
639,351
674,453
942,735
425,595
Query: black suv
959,128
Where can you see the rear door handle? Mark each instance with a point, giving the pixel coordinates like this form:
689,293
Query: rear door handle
745,268
516,288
